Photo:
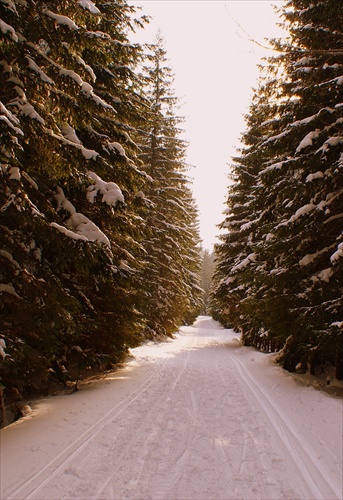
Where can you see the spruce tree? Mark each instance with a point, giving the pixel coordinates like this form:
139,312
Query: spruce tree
207,268
172,243
70,177
282,255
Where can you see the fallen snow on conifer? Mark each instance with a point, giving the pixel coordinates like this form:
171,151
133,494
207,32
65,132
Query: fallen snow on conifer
110,191
338,254
64,20
8,29
43,76
80,227
308,140
88,5
89,154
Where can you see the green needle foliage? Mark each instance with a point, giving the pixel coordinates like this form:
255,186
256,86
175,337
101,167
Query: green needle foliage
100,245
172,271
279,266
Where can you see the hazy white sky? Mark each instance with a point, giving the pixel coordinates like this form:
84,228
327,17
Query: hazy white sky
215,67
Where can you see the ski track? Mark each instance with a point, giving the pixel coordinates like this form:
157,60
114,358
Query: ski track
300,452
201,426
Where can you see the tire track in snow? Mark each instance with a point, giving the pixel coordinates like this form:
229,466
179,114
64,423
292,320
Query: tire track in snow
30,488
301,453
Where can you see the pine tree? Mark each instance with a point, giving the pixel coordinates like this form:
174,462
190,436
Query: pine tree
207,269
281,258
70,178
172,242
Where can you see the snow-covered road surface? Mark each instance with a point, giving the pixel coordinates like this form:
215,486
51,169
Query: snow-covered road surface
199,417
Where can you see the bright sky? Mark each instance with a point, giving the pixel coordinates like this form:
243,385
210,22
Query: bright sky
215,67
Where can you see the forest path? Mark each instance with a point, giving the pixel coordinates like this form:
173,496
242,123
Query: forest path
199,417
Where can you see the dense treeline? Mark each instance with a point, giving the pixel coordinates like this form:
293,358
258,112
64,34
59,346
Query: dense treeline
172,272
278,275
99,240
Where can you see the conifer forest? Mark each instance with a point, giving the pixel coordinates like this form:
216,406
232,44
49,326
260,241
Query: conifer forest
100,247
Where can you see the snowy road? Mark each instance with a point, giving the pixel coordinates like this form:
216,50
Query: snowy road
198,417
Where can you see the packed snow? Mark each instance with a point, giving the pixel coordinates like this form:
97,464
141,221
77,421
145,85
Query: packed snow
197,417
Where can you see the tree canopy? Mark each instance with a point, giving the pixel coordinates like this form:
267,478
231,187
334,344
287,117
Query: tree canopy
84,219
279,266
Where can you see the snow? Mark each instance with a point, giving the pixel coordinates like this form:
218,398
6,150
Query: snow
115,146
69,133
28,110
64,20
67,232
24,106
307,140
81,227
9,257
86,67
311,257
6,28
244,263
140,195
89,154
338,254
302,211
15,173
7,121
8,288
2,349
10,5
276,137
316,175
110,191
71,74
331,142
98,34
308,119
197,417
325,274
87,89
303,61
124,266
30,180
274,166
44,77
88,5
8,114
